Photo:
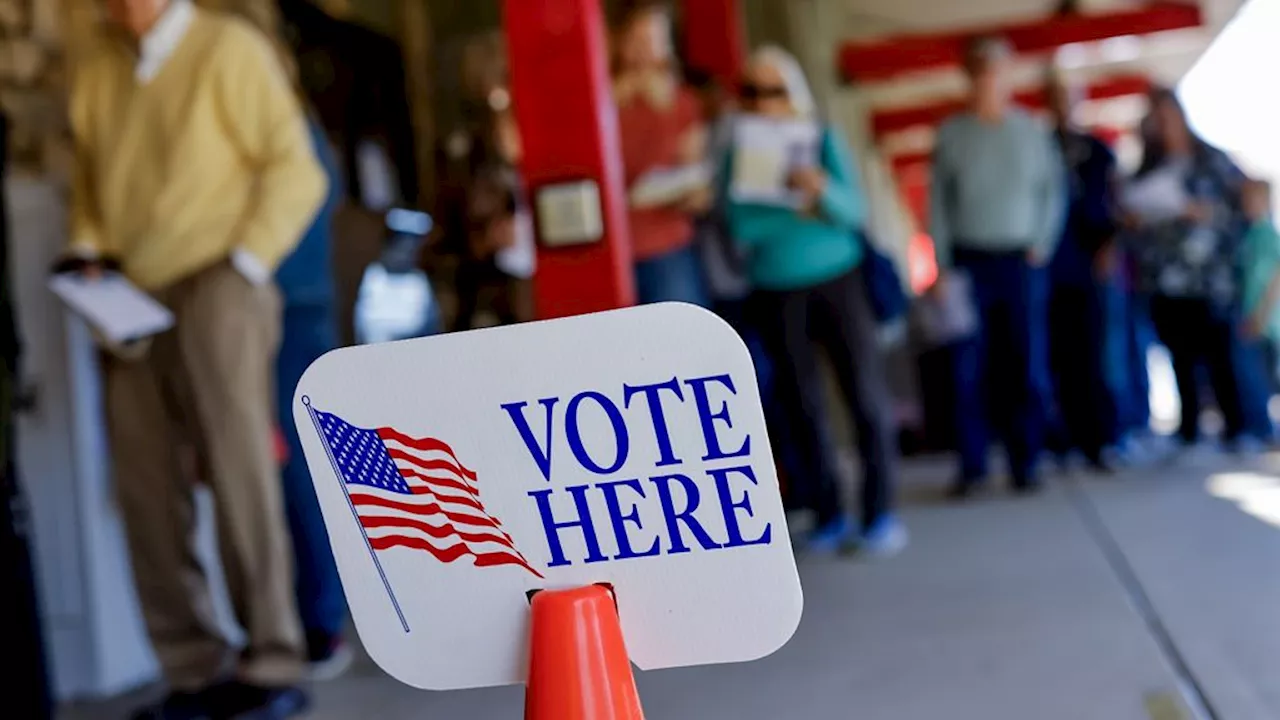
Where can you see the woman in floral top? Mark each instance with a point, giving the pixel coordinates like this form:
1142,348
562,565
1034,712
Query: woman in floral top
1186,225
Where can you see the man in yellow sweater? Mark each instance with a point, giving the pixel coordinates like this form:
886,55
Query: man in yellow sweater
196,174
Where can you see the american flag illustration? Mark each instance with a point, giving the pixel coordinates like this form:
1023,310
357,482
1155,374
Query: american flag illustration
414,492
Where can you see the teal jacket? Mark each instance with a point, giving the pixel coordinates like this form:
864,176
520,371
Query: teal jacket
787,250
1260,262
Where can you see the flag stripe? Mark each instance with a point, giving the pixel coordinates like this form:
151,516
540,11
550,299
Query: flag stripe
436,531
426,445
402,456
452,553
444,482
363,500
469,502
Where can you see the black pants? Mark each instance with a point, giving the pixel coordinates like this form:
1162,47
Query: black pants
1195,334
836,315
1086,417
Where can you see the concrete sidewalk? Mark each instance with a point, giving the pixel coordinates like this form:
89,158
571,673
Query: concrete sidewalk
1002,609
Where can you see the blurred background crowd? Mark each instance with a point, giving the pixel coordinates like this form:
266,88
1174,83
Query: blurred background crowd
255,167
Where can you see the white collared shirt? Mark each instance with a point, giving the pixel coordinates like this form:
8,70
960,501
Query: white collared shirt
160,42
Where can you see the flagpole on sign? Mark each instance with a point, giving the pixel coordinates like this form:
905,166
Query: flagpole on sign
306,402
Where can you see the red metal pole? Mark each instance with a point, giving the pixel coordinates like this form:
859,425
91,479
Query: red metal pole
569,132
714,38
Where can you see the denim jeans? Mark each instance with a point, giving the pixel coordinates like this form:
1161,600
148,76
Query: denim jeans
674,276
309,332
1004,367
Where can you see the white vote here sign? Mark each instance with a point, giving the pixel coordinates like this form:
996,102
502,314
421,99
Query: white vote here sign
459,472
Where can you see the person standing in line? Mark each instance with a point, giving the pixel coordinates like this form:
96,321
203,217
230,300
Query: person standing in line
1183,211
195,173
661,128
1081,274
998,203
805,263
309,330
1260,261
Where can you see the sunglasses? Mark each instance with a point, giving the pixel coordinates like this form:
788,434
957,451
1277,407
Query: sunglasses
753,92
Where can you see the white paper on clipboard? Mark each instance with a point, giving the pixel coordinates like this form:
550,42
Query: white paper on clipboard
765,153
113,306
669,185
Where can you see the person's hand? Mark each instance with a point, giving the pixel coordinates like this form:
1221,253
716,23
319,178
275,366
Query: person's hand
1106,262
501,233
1198,211
810,182
1037,257
939,287
1254,326
697,202
82,267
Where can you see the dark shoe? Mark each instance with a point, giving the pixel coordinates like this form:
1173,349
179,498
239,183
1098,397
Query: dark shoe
1100,466
328,656
1027,489
178,706
242,701
963,490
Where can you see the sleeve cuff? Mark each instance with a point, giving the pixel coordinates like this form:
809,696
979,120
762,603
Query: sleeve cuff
250,267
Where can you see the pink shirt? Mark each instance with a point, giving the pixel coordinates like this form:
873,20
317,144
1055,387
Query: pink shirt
651,140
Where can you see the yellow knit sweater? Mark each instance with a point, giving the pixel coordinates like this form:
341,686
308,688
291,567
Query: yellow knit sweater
209,156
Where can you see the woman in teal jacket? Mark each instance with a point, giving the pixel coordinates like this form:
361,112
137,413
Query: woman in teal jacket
805,263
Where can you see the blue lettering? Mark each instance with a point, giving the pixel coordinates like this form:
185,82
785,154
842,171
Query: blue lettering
540,456
553,528
654,399
730,508
573,433
708,418
620,520
673,518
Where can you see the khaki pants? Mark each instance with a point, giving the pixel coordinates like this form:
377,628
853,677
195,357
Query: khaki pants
207,386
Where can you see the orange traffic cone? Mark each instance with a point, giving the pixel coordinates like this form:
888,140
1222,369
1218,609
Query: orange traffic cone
578,668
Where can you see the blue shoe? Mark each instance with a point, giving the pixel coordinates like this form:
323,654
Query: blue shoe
885,538
832,536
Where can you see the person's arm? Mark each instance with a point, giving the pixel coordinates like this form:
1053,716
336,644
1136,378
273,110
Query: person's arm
939,202
87,240
1053,200
262,115
841,202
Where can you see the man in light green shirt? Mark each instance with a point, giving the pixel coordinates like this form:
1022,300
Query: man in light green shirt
998,202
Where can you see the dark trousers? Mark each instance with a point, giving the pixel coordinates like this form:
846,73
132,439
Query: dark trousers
836,315
1196,334
308,332
1253,374
1086,408
1001,372
26,685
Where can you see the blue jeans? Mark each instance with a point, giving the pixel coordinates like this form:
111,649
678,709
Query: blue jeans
1255,383
1004,367
1086,407
309,332
674,276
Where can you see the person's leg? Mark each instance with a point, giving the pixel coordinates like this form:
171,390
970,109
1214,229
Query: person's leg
970,366
672,277
847,327
1025,315
1178,327
1065,350
308,333
229,333
783,325
1235,374
156,499
467,285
